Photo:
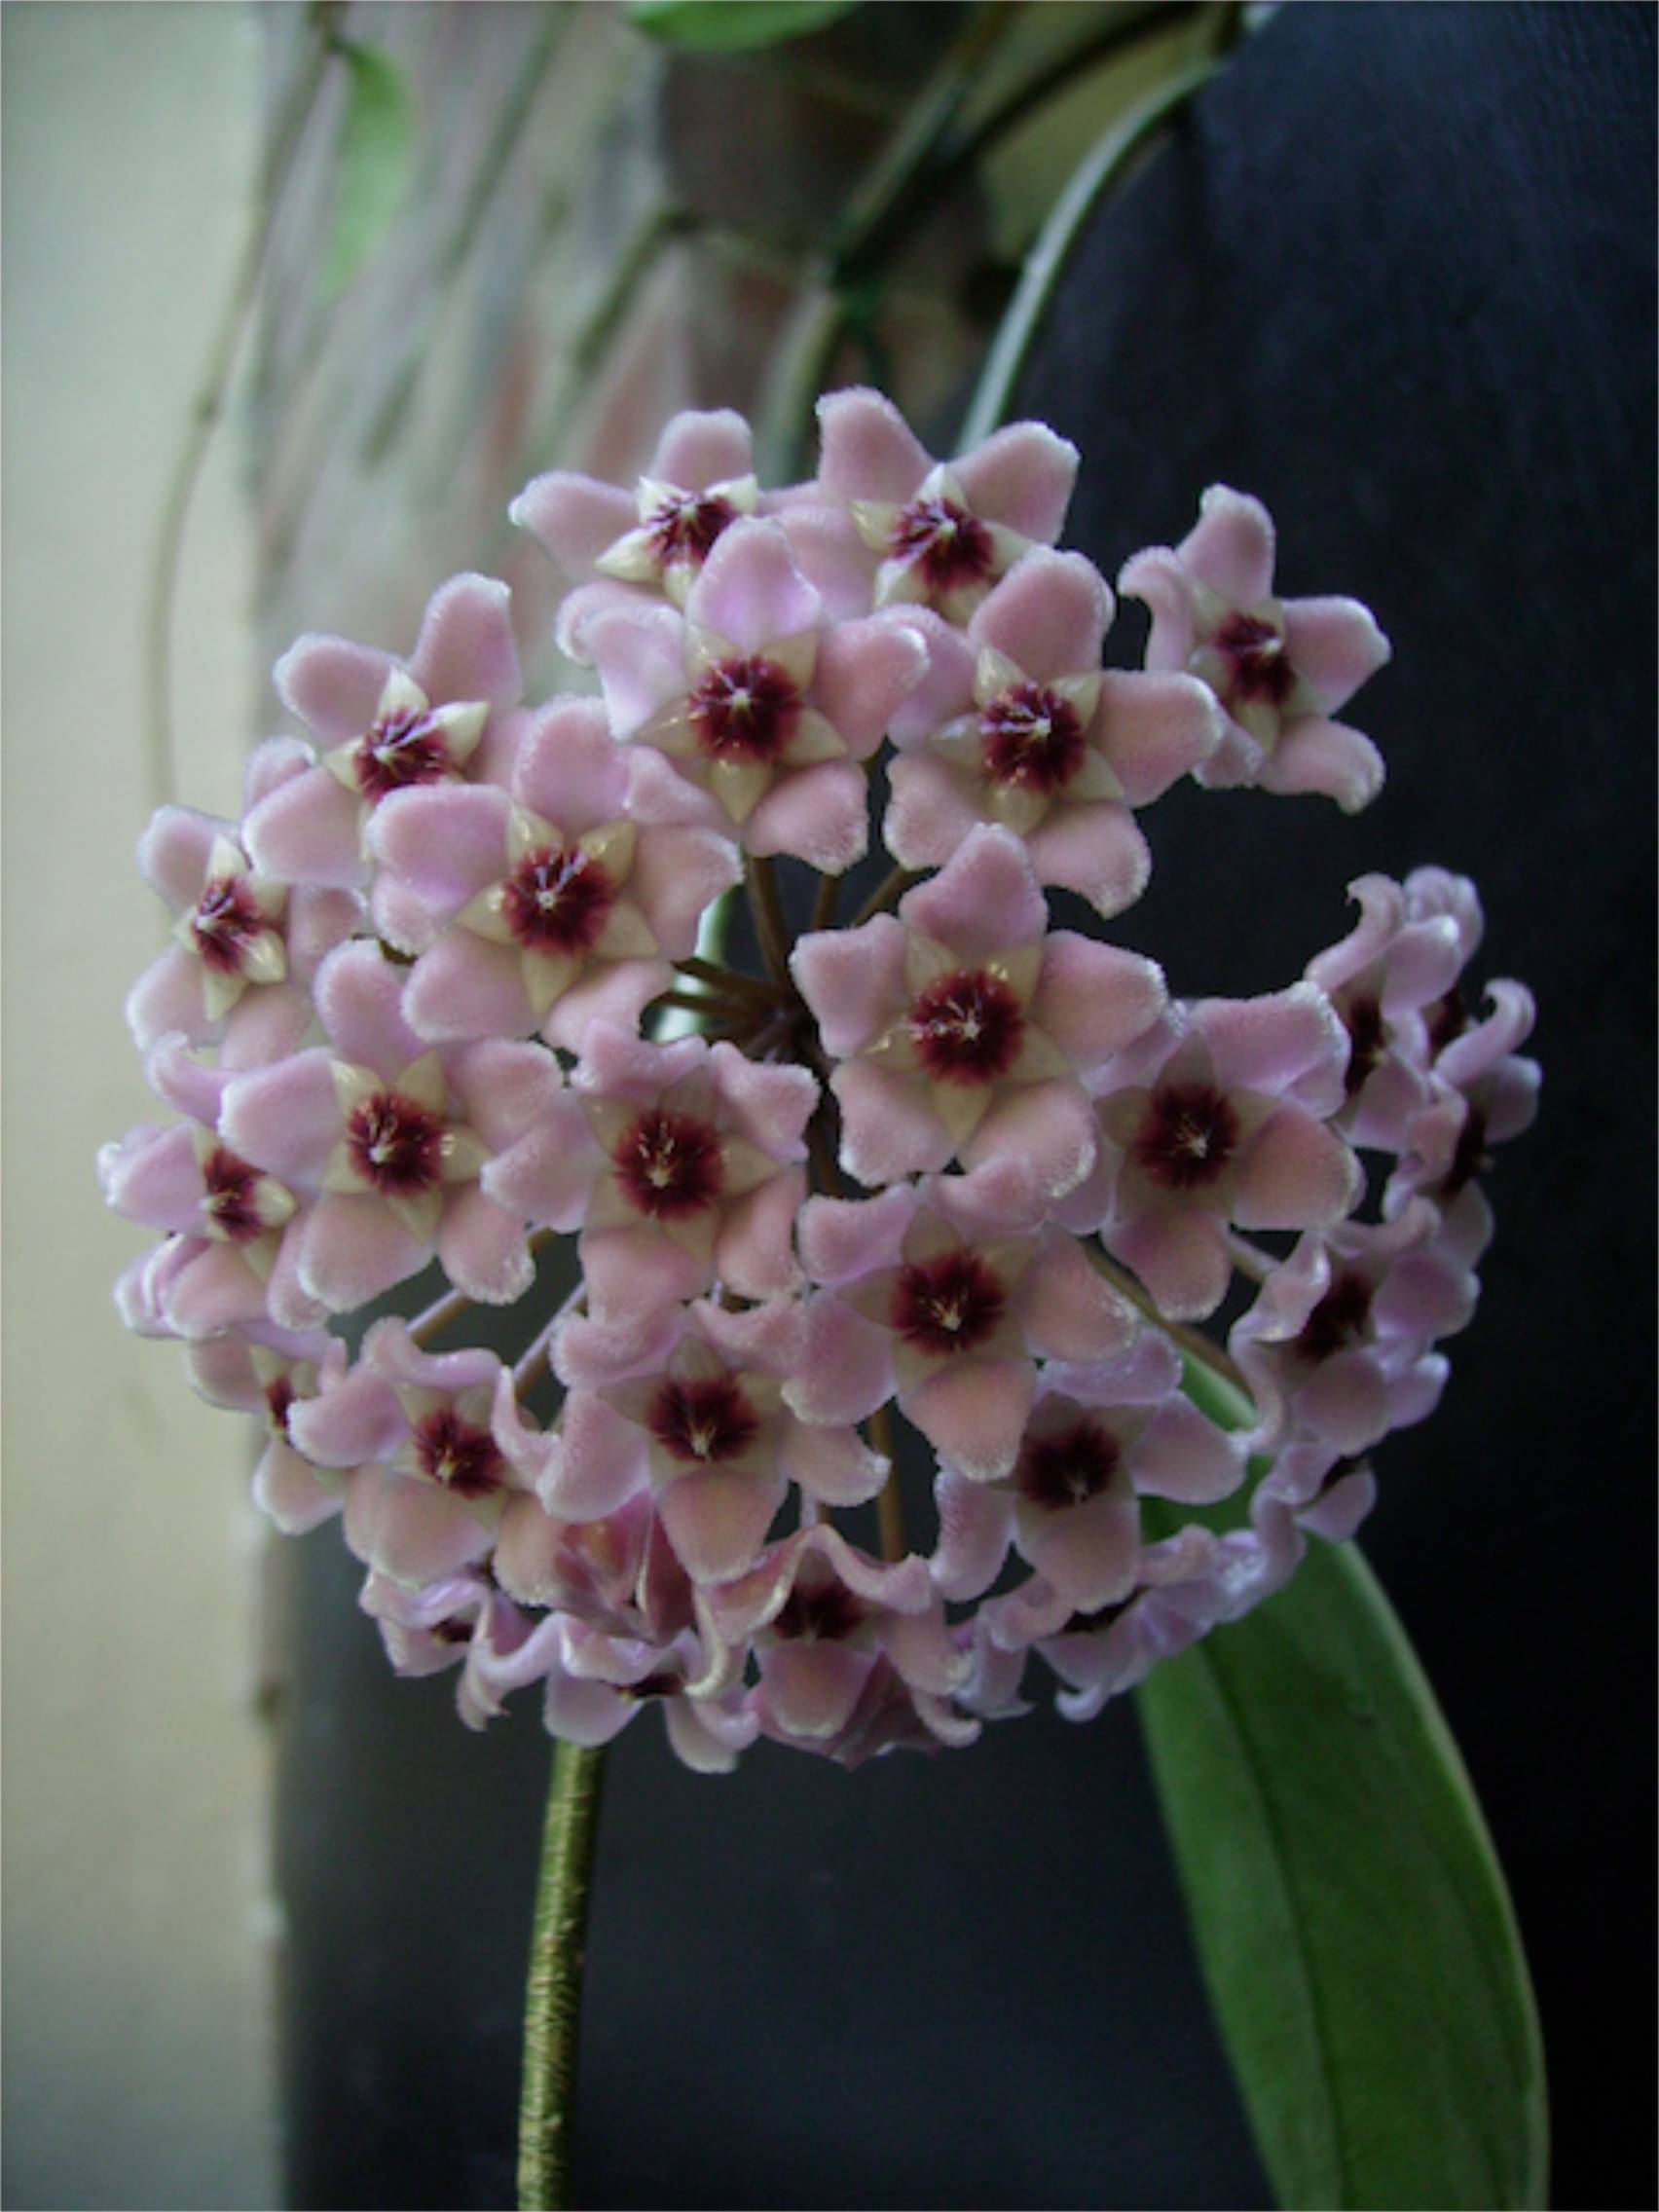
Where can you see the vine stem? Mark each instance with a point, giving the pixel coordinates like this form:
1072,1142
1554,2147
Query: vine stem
553,1988
808,345
1059,239
209,406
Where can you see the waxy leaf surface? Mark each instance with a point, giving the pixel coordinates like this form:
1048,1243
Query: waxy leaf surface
1350,1914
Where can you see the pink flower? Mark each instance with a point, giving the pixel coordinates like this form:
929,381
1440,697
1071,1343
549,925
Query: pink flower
698,1174
1229,1122
550,906
618,1575
821,1616
1336,1344
1482,1092
706,1425
962,1023
533,880
428,1482
699,481
387,728
1039,737
937,534
949,1307
244,945
599,1682
754,700
1280,668
1386,979
267,1372
391,1138
1188,1584
227,1218
1097,1440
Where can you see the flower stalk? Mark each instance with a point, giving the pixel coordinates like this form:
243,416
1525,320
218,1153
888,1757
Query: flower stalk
553,1989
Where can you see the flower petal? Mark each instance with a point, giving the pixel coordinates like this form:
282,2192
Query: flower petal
1327,758
1231,547
1049,614
868,450
466,650
751,589
1334,646
974,1412
1022,476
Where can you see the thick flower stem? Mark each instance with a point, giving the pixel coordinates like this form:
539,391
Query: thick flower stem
553,1992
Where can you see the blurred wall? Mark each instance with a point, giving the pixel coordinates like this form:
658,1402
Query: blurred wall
138,1955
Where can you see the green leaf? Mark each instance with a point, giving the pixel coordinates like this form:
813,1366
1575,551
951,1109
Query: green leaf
1350,1914
376,159
725,26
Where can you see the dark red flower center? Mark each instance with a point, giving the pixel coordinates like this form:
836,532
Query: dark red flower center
397,1146
558,900
948,544
1067,1468
230,1195
403,747
1338,1320
226,917
463,1459
1189,1133
685,527
702,1423
1367,1041
1259,669
968,1028
457,1629
280,1396
1448,1018
1471,1157
823,1613
744,710
669,1166
660,1684
1033,739
948,1305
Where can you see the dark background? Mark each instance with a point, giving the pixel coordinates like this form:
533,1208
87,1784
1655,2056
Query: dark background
1393,272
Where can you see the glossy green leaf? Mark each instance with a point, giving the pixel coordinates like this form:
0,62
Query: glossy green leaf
728,25
377,159
1350,1914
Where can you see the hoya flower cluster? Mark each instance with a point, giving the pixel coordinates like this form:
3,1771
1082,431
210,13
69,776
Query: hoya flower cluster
437,996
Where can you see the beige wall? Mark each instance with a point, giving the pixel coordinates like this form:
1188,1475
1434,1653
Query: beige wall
139,2032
